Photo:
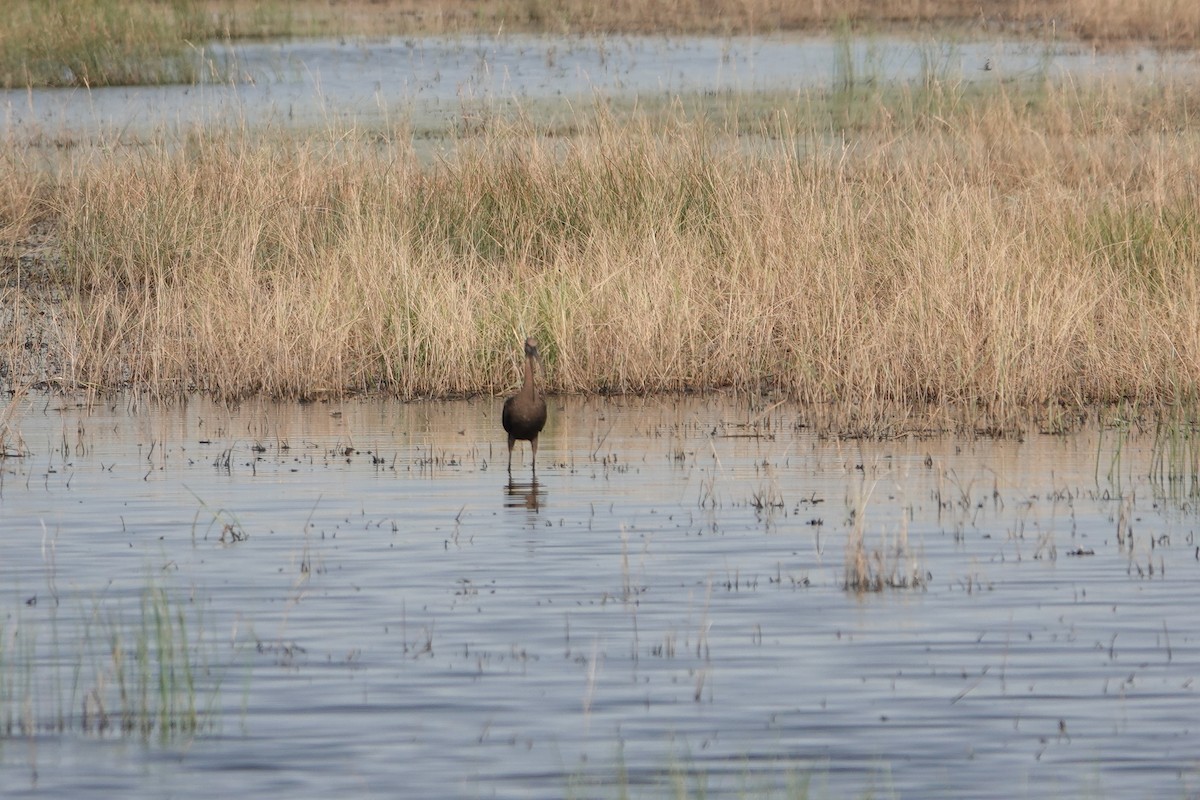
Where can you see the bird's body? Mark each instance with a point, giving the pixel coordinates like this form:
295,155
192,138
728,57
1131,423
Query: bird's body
524,413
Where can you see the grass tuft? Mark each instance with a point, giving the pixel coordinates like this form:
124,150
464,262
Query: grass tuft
892,565
142,676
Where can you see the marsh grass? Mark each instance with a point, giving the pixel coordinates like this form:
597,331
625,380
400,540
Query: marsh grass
1175,459
1169,22
12,443
994,251
107,672
104,42
891,564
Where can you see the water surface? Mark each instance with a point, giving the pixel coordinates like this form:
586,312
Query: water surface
395,617
444,81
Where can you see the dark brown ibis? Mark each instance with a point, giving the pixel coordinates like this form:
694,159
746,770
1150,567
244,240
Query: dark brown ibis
524,413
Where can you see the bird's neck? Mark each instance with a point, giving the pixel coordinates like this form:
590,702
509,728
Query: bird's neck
528,389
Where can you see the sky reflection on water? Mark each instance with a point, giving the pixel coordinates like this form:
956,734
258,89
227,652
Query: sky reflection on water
440,82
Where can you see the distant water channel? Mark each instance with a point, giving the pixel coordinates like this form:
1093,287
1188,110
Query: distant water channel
436,81
372,609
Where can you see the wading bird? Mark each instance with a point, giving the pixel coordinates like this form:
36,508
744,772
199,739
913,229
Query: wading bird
524,413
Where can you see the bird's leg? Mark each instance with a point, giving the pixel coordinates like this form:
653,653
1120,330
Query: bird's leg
533,454
510,447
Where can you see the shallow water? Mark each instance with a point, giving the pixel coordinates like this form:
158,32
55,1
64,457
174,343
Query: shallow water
439,81
401,620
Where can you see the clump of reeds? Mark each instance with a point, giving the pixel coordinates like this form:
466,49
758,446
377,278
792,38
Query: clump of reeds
142,676
103,42
12,443
890,565
1175,458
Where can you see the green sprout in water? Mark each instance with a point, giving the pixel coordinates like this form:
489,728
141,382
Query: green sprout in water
143,675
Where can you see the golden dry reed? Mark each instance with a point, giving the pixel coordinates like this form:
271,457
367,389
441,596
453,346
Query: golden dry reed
999,252
1166,22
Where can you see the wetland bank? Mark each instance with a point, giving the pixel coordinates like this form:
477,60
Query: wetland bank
870,464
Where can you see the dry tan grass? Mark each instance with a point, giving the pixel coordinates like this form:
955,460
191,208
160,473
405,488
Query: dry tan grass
997,252
891,564
1174,23
1171,22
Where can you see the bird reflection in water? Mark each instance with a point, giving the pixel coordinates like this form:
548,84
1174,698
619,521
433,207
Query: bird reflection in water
529,495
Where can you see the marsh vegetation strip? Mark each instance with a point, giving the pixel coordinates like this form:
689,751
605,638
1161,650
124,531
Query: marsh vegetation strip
86,43
667,607
1000,248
